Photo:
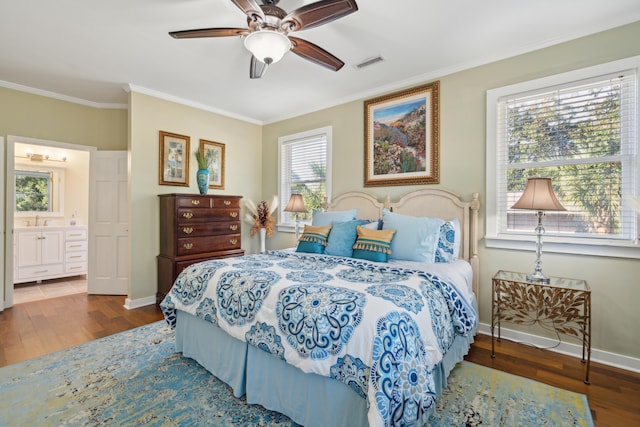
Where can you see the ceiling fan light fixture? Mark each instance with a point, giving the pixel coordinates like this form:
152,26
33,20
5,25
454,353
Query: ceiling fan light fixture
267,46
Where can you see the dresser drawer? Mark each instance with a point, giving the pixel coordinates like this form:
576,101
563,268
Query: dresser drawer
75,268
78,245
77,234
188,216
226,203
75,256
194,245
194,201
208,229
37,271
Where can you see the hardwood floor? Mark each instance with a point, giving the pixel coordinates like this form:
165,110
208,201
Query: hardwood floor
35,328
31,329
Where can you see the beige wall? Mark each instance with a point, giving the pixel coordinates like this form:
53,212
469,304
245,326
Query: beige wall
34,116
148,116
614,282
76,193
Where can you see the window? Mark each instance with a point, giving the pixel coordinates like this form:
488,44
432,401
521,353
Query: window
581,130
304,168
33,191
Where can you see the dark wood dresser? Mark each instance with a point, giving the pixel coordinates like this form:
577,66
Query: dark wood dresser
195,228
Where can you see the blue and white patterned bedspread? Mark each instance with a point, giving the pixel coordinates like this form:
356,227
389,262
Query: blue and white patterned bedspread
379,329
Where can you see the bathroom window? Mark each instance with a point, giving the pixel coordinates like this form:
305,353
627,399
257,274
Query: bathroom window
33,191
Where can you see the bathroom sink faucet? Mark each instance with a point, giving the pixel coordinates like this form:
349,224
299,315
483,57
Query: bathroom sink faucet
37,219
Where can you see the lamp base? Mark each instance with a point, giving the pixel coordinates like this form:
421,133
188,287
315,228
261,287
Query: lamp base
538,277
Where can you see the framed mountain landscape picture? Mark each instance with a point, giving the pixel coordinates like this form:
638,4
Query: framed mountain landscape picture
402,137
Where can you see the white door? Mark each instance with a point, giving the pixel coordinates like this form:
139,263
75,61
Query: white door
108,272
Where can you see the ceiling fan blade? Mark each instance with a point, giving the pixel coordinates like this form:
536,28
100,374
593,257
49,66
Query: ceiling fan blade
257,68
209,32
315,53
250,8
318,13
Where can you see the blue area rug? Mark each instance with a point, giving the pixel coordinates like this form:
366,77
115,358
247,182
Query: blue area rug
135,378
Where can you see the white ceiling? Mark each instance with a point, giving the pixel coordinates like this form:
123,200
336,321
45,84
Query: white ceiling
89,51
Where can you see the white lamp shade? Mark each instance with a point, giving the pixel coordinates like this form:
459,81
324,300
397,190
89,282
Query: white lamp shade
296,204
538,196
267,46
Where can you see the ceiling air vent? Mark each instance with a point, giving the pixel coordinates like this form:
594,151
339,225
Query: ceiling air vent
369,61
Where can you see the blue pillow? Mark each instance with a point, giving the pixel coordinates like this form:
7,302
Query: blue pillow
416,238
328,218
449,241
342,237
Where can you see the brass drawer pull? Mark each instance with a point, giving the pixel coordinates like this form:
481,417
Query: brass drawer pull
195,202
187,215
233,214
227,202
233,227
187,230
233,241
188,245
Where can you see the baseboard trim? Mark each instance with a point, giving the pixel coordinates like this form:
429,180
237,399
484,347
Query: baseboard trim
130,304
600,356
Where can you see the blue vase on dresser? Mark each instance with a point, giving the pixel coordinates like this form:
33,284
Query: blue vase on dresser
202,176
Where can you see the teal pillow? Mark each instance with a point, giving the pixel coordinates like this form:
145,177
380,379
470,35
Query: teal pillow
342,237
370,255
416,238
313,239
328,218
373,245
310,247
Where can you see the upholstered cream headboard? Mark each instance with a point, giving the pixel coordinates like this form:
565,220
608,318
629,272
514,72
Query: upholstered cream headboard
431,202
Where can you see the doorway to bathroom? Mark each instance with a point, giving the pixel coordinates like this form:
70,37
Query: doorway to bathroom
47,212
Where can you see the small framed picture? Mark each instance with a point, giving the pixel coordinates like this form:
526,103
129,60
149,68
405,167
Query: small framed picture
216,169
174,159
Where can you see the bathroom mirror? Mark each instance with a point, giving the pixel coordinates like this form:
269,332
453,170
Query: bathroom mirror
38,191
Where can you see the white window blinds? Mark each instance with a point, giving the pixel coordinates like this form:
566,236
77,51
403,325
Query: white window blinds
582,135
304,169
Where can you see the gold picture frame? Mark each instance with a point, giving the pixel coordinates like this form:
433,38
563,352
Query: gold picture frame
216,168
173,167
401,137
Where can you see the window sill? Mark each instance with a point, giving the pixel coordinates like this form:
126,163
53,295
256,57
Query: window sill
291,228
592,247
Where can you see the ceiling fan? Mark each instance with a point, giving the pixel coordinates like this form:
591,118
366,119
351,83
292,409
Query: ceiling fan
267,37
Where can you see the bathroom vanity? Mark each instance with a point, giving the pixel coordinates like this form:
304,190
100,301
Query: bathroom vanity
47,252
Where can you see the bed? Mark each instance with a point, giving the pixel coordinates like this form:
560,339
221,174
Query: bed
336,339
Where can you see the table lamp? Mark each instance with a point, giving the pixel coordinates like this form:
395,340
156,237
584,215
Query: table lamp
296,206
538,196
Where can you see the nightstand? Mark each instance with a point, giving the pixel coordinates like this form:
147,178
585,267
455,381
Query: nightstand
562,306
